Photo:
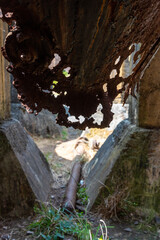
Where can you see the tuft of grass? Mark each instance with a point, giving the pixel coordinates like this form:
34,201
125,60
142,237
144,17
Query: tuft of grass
82,195
148,223
48,156
54,224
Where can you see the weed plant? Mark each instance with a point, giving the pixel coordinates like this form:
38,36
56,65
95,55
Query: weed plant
82,195
54,224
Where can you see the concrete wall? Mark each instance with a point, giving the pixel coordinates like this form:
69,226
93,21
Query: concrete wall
149,95
4,78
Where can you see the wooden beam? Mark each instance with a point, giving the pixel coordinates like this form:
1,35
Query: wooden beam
4,78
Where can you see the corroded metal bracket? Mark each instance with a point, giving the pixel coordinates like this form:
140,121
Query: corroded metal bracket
63,54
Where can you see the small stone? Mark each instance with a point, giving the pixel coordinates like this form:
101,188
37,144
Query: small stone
52,196
157,220
136,223
30,233
128,229
81,182
145,232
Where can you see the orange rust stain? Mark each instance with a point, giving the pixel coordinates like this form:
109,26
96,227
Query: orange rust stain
120,8
109,12
97,25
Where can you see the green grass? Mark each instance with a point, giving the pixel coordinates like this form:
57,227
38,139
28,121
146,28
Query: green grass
148,223
82,195
48,156
64,134
54,224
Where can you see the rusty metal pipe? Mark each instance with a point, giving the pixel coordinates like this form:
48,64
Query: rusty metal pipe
70,195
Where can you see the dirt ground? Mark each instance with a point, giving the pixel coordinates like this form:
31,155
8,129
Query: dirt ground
61,154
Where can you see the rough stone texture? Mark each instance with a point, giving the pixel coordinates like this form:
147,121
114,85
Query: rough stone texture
24,173
92,38
97,170
128,171
149,95
4,78
133,109
153,172
44,124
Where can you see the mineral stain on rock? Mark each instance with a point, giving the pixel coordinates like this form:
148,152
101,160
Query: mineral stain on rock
89,37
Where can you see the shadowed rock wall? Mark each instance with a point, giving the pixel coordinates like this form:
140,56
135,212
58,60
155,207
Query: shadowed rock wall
24,173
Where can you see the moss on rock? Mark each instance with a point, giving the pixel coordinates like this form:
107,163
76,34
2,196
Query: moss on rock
129,182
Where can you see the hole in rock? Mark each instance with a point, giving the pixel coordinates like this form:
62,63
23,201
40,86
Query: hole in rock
73,119
113,73
105,87
128,64
117,60
8,14
46,91
55,94
66,72
98,115
67,109
55,61
54,84
81,119
119,86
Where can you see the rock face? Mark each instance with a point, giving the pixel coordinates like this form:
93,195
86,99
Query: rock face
126,168
24,173
42,125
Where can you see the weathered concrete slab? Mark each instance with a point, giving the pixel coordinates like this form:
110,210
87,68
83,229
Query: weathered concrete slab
149,95
4,77
24,173
126,169
97,170
134,182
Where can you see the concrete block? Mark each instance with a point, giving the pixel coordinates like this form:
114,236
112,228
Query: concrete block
24,172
